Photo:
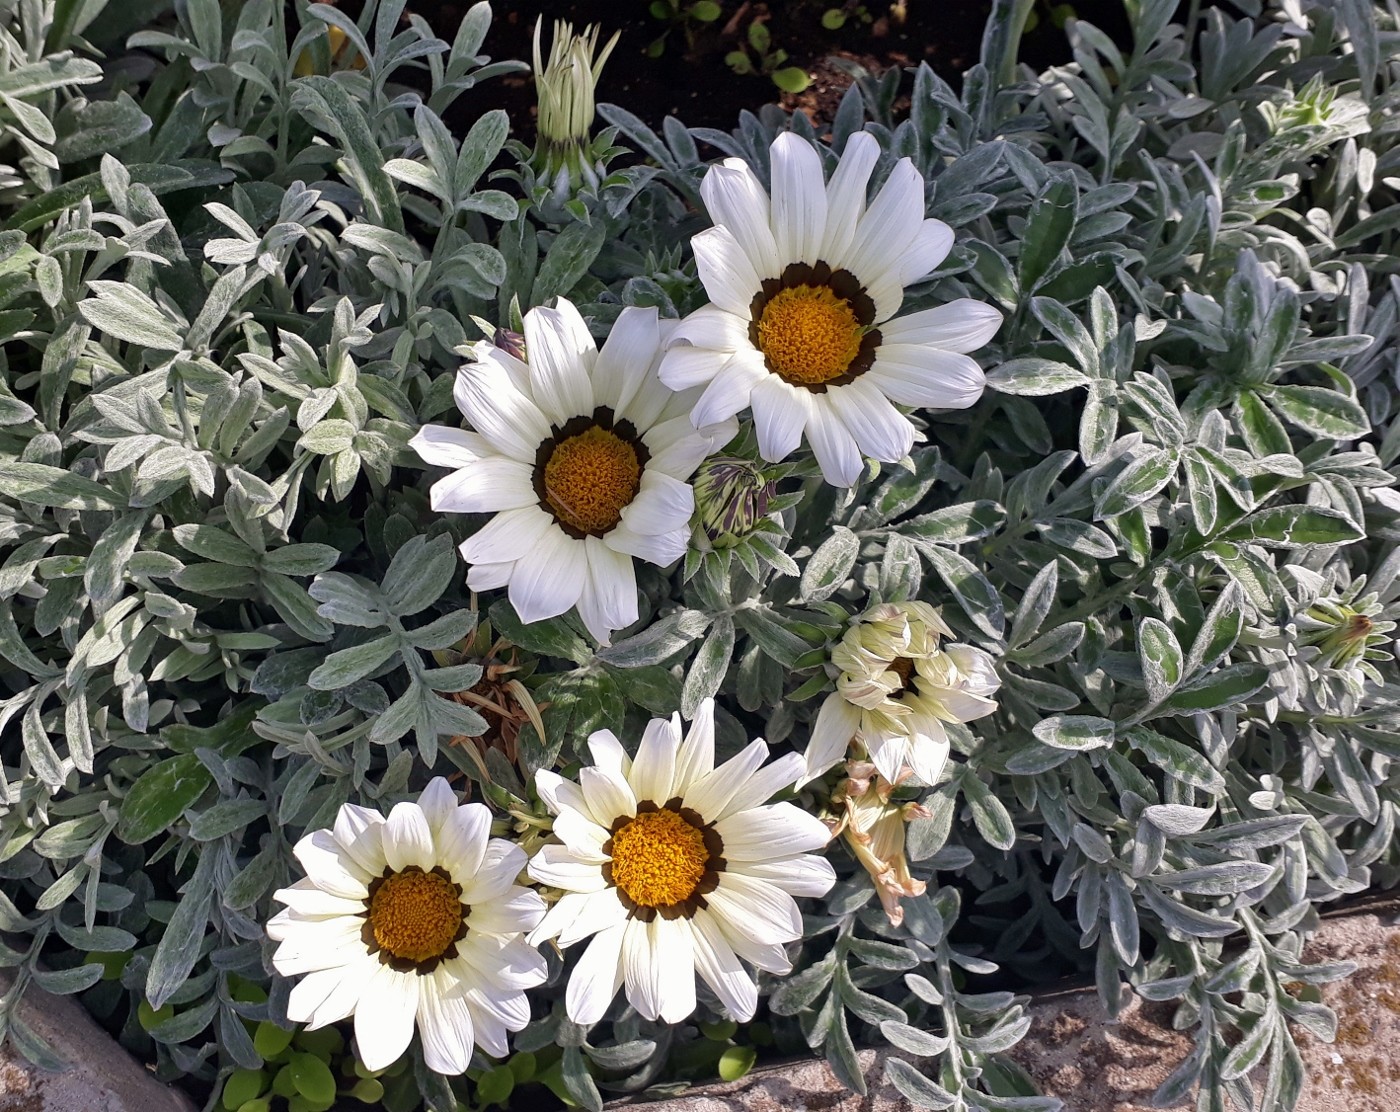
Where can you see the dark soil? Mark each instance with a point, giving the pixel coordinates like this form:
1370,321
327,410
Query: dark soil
691,81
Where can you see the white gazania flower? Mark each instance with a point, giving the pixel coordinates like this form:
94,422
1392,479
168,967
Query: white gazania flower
806,285
583,457
896,689
411,919
675,867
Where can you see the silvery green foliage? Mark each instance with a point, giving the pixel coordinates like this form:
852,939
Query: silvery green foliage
231,292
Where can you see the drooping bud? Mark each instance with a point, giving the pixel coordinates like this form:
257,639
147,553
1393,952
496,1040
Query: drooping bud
731,497
565,86
874,828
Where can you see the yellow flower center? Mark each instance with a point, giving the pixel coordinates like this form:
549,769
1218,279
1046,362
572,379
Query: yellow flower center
809,335
590,477
659,858
415,915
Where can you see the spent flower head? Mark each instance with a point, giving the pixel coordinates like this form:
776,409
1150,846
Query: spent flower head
872,824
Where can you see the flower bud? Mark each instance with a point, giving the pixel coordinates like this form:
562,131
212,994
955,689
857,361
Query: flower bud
731,497
565,85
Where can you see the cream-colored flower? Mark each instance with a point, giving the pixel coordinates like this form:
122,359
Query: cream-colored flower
896,690
874,829
411,920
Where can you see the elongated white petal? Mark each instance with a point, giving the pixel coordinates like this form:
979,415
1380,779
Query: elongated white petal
609,598
661,549
928,247
310,902
963,325
591,912
508,536
501,865
673,962
887,753
927,758
764,784
445,1025
549,579
927,377
731,390
808,875
330,867
487,577
561,352
330,995
777,830
596,978
799,199
845,196
676,447
408,839
384,1017
607,793
608,754
518,912
736,201
357,829
836,724
441,446
485,486
780,413
684,367
626,359
755,909
834,446
661,505
713,329
889,225
696,759
510,421
711,793
725,270
880,431
654,770
721,969
487,1028
438,802
583,837
461,843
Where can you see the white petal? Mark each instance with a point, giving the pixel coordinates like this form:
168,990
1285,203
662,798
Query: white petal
780,413
509,420
963,325
735,199
927,758
714,329
461,843
712,793
927,377
676,447
487,1028
408,840
507,964
769,956
557,867
549,579
557,792
799,199
929,247
627,358
725,270
583,837
833,445
607,794
310,902
508,536
330,867
888,753
662,504
808,875
641,970
488,577
609,599
358,831
484,487
717,963
442,446
502,863
596,978
661,549
517,912
308,945
445,1024
764,784
881,431
328,996
384,1018
696,758
836,724
438,802
608,754
764,833
654,770
683,368
845,195
673,962
755,909
561,351
731,390
889,225
591,912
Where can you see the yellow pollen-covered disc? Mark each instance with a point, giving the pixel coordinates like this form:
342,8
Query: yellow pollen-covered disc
590,478
415,915
809,335
658,858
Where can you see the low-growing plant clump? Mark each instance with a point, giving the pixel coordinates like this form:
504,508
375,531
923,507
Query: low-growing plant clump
486,620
